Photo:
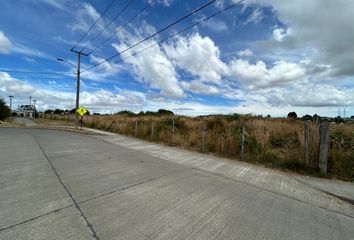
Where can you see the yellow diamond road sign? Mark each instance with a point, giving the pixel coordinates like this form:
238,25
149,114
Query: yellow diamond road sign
81,110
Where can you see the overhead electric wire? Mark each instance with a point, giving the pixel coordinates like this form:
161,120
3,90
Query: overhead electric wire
121,27
113,19
87,32
180,31
152,35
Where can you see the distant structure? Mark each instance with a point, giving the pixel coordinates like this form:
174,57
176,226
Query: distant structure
26,111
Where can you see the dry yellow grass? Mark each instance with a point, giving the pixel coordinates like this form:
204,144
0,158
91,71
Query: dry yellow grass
271,142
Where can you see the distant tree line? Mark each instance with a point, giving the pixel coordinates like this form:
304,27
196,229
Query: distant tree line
164,112
62,112
160,112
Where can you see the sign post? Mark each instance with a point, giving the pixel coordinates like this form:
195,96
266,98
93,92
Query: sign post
82,111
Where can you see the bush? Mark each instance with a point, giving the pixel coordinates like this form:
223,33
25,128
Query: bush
292,115
4,110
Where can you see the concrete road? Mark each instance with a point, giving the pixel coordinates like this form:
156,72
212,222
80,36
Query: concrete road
62,185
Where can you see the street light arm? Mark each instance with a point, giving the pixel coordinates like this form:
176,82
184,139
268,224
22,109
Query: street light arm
63,60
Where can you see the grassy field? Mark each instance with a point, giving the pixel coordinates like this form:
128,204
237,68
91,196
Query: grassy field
277,143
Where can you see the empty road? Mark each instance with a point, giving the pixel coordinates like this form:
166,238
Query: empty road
64,185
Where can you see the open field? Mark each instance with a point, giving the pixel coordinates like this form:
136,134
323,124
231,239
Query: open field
276,143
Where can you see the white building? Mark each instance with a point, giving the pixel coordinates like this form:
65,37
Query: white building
26,111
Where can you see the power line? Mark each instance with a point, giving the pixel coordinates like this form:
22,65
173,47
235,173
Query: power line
121,27
104,12
152,35
113,19
179,32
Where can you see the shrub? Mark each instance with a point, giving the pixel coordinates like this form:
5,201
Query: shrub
4,110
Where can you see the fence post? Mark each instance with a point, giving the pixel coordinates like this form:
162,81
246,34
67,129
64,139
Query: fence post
203,137
324,138
242,141
152,130
173,131
306,142
136,128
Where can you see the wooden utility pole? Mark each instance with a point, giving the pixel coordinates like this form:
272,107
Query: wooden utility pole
203,137
306,142
78,84
242,142
173,131
136,128
324,138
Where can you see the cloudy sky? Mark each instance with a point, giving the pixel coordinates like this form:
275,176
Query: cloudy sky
260,57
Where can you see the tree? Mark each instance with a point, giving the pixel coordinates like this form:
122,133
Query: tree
48,111
292,115
126,112
307,117
4,110
58,111
165,112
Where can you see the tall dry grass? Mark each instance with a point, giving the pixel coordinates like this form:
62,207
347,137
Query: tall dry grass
271,142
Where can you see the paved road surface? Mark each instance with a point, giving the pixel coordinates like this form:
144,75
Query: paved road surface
61,185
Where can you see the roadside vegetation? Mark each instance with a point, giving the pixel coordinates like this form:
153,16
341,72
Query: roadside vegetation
4,110
272,142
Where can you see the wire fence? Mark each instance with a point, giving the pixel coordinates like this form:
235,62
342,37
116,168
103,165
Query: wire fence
283,143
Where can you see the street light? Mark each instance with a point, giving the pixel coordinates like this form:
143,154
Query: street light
77,87
63,60
11,97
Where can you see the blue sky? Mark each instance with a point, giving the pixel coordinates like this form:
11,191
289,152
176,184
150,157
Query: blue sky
261,57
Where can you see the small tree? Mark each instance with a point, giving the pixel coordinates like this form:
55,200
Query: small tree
164,112
4,110
307,117
292,115
58,111
48,111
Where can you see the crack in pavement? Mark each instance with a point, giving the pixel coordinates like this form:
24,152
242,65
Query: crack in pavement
34,218
89,225
84,201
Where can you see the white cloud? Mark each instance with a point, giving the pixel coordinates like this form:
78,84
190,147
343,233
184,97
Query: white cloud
21,49
105,70
199,87
5,44
151,66
280,33
197,55
13,86
322,25
311,95
253,76
255,17
216,25
60,4
165,3
51,97
85,16
245,53
29,60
